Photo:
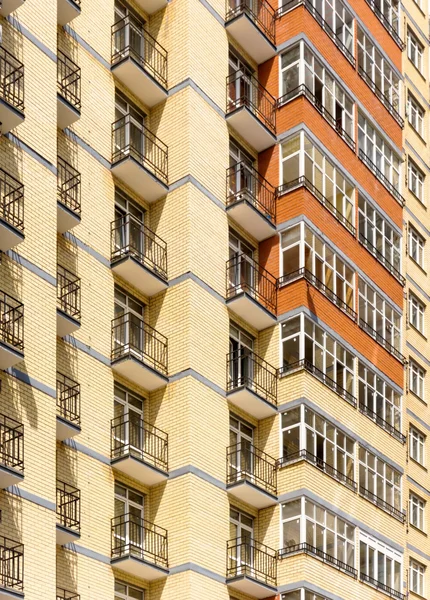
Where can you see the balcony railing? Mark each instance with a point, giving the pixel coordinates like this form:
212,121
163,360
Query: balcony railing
381,96
69,293
392,510
379,175
246,369
130,139
132,337
245,462
68,399
258,11
306,365
68,506
381,340
11,322
386,23
244,90
293,457
69,80
11,80
11,564
244,182
244,275
313,551
319,285
381,258
138,538
381,586
11,201
131,41
11,443
130,237
304,182
69,186
252,559
382,423
132,436
66,595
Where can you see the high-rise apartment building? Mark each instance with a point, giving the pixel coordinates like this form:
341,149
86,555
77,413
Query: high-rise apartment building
214,327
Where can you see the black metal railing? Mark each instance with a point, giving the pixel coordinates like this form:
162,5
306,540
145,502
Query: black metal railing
68,399
11,201
258,11
381,340
244,90
68,293
132,436
305,182
68,506
382,423
245,183
138,538
246,369
249,558
313,551
380,175
11,80
247,463
63,594
68,186
306,365
386,23
132,337
131,41
381,258
381,586
69,80
245,276
130,237
294,457
336,124
132,139
319,285
381,96
11,564
11,443
389,508
11,321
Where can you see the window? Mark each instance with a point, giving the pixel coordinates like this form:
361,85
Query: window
388,10
338,18
415,115
380,564
129,127
416,445
416,379
416,313
379,315
415,51
416,246
379,481
416,577
127,592
415,180
416,511
378,400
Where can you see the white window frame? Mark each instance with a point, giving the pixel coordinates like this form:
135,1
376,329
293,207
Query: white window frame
376,394
416,180
417,445
417,577
416,511
416,313
416,115
378,478
377,548
416,379
416,246
415,50
379,314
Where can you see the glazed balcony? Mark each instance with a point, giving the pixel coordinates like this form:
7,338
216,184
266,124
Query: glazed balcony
11,569
139,450
9,6
138,255
68,407
394,511
251,110
11,211
139,159
11,331
251,23
380,585
67,10
304,455
11,91
251,475
139,352
139,62
11,452
381,258
68,91
68,513
386,101
381,422
382,341
139,547
251,568
68,302
381,177
66,595
305,548
386,23
68,196
251,201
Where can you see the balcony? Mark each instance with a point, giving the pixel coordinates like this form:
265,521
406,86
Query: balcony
295,457
138,255
68,302
381,258
306,548
251,292
381,177
11,211
251,384
382,341
139,450
68,513
381,96
139,62
251,201
251,110
385,506
66,595
139,352
9,6
252,24
11,569
67,10
68,196
251,568
251,475
139,159
11,91
379,585
68,91
68,407
11,452
151,6
139,547
386,23
389,428
11,331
